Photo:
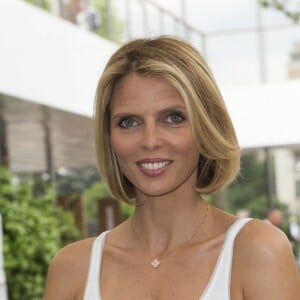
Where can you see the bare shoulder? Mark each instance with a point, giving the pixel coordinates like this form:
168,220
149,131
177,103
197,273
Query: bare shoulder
70,254
259,236
68,270
265,263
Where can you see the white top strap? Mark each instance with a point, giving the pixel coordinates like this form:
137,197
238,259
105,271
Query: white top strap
218,287
92,289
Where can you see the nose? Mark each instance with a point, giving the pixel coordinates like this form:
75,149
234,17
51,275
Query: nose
151,138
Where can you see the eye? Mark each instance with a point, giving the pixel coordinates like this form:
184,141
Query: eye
127,123
175,118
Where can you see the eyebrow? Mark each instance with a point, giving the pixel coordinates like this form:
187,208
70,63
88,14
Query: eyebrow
163,111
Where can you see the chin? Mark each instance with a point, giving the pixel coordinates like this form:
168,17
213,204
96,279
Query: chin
157,192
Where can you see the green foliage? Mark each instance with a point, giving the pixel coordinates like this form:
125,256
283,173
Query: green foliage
75,181
44,4
34,230
283,6
207,198
97,191
249,190
127,210
91,196
116,25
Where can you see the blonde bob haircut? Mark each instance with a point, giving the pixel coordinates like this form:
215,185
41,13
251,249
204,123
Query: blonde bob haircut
183,67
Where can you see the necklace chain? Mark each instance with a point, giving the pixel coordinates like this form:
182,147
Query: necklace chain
155,262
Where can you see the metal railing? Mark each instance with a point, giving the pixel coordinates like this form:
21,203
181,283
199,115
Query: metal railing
167,22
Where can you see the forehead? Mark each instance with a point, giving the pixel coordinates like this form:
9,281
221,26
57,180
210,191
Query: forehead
137,92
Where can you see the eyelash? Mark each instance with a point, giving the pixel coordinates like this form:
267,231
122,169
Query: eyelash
177,114
122,122
125,119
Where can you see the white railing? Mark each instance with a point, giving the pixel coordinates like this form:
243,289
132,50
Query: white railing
151,18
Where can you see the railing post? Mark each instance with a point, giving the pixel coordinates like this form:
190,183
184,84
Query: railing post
109,19
261,45
145,17
128,19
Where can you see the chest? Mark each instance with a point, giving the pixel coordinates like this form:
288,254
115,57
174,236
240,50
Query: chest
182,275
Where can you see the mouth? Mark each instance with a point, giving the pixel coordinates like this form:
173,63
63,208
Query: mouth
152,166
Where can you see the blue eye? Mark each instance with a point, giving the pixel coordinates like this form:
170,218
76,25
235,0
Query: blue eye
175,118
127,123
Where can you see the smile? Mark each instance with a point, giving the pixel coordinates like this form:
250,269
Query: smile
153,166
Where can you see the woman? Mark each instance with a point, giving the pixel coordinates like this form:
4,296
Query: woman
163,139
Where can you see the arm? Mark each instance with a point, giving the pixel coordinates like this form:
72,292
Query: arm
67,272
58,283
269,268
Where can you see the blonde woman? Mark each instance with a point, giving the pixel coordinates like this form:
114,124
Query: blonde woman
163,139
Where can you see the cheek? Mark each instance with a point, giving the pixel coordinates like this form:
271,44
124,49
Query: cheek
185,144
116,144
121,148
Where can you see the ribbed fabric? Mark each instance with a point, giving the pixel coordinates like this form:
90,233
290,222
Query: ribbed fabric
218,287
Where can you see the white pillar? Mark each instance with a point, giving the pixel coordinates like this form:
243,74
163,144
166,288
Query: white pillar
285,178
3,289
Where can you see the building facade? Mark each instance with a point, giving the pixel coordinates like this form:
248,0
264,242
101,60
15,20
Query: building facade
287,160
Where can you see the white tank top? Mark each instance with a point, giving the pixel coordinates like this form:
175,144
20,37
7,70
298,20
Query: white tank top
218,287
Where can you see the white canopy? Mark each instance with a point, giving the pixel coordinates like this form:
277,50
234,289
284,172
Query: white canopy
47,60
265,115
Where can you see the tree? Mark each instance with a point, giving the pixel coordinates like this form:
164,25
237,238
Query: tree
249,189
95,193
75,181
34,230
115,32
286,7
91,196
44,4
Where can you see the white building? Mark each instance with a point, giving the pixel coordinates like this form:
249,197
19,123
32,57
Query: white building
287,160
287,174
48,76
294,64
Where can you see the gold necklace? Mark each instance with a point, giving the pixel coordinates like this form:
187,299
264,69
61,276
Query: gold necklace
155,262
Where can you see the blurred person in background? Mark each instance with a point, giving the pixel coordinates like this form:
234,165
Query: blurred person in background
275,217
163,139
73,9
295,234
83,14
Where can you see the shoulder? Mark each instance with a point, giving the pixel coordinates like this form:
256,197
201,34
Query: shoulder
265,262
71,253
68,269
258,236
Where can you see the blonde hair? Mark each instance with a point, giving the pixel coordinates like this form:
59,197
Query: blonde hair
183,67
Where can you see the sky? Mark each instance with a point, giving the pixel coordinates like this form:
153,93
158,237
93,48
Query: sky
233,57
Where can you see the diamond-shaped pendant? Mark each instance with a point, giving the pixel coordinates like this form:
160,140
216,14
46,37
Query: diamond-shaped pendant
155,263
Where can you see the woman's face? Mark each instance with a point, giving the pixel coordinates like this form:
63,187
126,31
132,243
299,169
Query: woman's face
151,136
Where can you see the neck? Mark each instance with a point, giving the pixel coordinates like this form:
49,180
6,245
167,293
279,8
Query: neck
161,224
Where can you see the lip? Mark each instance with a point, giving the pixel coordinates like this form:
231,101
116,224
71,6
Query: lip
158,170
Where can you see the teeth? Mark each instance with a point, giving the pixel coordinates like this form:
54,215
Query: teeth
155,165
